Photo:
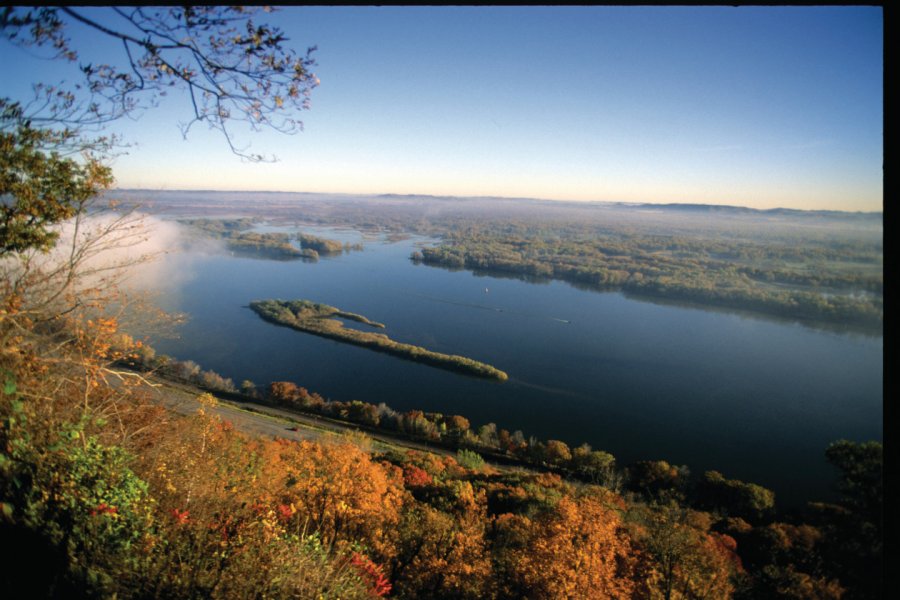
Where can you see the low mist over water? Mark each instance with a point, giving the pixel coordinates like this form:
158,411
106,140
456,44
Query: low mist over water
756,398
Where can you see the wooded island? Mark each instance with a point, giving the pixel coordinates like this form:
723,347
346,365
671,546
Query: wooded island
319,319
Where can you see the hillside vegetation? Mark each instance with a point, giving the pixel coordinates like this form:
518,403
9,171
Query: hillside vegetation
114,496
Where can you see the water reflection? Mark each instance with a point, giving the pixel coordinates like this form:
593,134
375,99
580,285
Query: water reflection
757,399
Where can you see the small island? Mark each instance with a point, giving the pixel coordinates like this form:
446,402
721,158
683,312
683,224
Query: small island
320,245
322,320
238,239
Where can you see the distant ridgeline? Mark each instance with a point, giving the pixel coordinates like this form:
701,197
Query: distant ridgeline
267,245
319,319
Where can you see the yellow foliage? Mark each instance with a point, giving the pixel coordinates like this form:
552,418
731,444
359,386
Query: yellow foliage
577,550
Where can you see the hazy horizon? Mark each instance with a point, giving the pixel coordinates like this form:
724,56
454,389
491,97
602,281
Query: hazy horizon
762,107
357,195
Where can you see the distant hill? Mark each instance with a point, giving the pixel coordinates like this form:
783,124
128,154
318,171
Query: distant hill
285,199
787,212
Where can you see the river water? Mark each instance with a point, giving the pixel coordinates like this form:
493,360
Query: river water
757,399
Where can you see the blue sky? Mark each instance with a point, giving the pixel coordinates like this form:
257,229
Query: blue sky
753,106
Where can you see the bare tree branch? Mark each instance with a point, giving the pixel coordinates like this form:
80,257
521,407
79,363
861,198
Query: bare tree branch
233,69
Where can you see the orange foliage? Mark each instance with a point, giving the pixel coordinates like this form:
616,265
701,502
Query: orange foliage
335,489
577,550
436,465
685,559
441,554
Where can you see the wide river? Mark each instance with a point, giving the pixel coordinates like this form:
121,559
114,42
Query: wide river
757,399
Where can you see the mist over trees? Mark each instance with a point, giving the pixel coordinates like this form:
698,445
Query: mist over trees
110,495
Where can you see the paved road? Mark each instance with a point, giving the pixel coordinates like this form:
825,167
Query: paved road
256,419
260,420
251,419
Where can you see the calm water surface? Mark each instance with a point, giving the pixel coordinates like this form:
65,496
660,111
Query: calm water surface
755,399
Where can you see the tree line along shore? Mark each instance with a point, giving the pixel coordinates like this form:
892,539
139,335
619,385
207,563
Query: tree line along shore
814,280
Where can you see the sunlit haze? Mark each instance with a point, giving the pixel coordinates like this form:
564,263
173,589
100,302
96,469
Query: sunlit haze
753,106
